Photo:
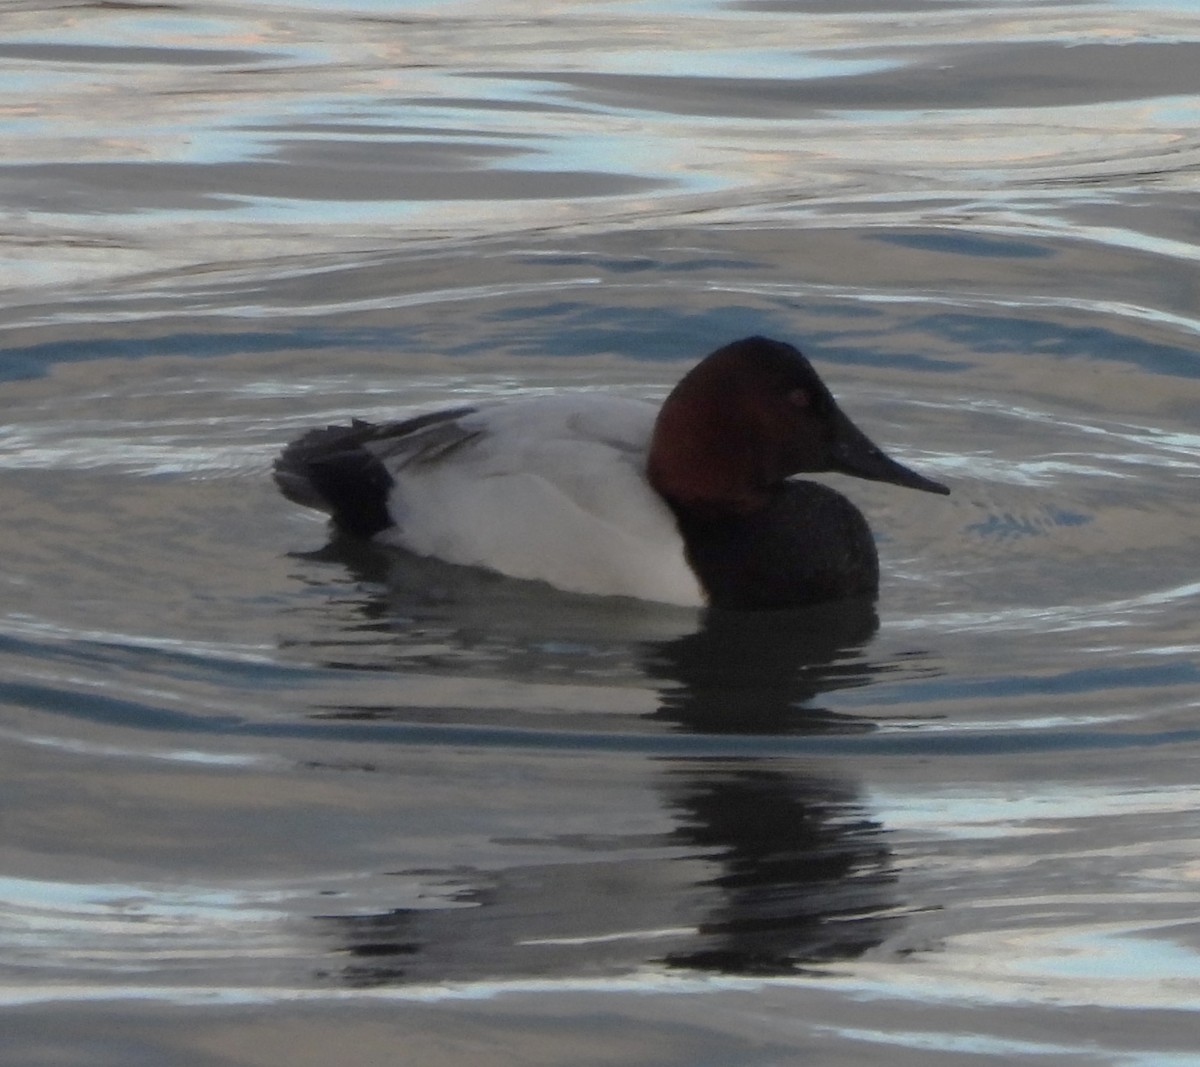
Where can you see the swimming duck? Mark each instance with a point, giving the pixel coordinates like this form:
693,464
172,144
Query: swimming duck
689,503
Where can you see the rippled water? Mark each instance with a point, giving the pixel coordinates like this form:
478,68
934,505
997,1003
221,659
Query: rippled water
269,800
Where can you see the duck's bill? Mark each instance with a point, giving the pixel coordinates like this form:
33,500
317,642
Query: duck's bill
854,453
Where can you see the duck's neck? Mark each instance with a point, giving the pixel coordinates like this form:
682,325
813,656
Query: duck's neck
703,462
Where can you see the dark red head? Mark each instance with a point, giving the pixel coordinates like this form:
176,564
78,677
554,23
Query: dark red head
750,415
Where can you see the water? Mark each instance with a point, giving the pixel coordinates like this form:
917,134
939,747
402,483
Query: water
269,800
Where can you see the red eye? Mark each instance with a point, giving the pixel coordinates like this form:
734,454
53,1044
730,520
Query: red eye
798,398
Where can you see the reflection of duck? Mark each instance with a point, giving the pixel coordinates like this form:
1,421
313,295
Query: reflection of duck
756,674
688,504
798,873
731,864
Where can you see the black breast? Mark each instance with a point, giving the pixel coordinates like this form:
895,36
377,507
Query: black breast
809,545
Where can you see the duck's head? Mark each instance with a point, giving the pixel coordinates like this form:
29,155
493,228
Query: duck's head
750,415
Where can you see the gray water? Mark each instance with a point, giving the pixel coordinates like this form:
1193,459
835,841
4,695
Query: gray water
269,800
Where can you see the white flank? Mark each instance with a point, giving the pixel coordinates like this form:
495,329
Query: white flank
549,488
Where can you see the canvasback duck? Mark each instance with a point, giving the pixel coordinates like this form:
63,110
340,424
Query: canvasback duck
689,503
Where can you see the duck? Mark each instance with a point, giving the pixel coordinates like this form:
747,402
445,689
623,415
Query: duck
694,503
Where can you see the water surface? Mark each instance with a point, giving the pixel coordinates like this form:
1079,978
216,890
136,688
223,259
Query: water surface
270,798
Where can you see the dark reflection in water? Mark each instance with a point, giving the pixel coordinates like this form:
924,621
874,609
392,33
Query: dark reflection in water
757,672
769,868
797,855
803,874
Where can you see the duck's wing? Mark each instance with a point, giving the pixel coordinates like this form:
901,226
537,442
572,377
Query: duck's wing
546,488
347,471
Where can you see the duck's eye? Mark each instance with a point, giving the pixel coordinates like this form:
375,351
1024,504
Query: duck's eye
799,398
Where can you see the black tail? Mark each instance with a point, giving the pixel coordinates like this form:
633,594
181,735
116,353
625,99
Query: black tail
332,470
339,470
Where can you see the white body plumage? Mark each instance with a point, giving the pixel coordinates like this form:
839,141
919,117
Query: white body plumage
548,488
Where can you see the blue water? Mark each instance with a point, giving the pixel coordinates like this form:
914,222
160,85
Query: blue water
272,800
